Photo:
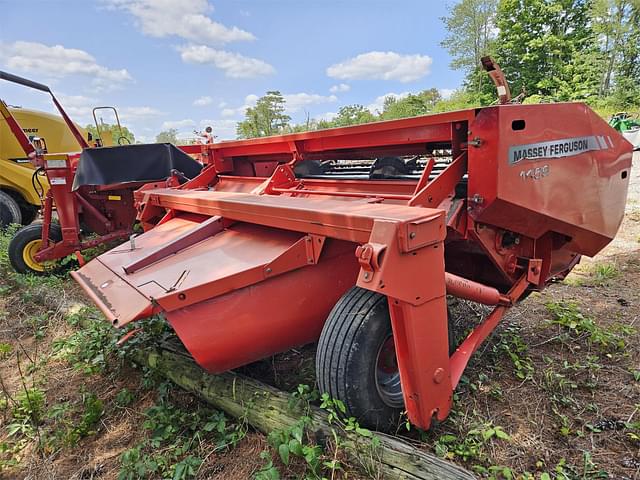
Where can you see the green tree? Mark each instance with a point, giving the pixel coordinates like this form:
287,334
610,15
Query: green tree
617,24
627,77
353,115
168,136
268,117
548,47
459,100
111,134
411,105
470,33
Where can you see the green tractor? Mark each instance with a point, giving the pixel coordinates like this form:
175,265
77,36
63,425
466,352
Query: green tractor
629,126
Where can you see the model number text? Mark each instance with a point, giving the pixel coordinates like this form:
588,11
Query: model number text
535,173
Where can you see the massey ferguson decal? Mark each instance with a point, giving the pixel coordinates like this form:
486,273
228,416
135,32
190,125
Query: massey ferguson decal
566,147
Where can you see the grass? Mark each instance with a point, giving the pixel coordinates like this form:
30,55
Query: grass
600,275
604,272
609,338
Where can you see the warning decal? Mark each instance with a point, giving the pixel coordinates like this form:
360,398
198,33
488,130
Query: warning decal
566,147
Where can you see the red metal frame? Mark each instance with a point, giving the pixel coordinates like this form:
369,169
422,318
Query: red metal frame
247,259
107,210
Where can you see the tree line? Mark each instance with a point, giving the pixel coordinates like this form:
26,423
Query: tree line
549,50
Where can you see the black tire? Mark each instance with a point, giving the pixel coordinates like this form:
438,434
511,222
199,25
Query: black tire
348,358
351,338
21,241
29,213
9,210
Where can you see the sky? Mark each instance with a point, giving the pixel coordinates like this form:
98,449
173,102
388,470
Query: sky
187,64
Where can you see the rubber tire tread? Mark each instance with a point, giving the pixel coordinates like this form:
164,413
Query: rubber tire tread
24,236
343,328
328,350
29,213
10,206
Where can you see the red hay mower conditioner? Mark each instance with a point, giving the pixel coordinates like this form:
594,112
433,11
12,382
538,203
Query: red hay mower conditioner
91,192
250,258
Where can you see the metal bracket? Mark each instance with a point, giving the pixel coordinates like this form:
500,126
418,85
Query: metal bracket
534,271
369,257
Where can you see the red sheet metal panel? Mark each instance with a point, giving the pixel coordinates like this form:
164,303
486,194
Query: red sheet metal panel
345,220
272,316
550,167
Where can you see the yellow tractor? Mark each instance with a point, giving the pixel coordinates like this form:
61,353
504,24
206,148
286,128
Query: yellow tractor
20,186
19,190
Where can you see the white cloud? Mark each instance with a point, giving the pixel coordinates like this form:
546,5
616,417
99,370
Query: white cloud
78,107
328,116
178,124
202,101
378,104
132,114
297,101
446,92
234,65
222,104
187,19
382,66
249,101
342,87
231,112
58,62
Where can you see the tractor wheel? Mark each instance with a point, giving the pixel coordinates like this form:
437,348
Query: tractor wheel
356,361
26,243
9,210
29,213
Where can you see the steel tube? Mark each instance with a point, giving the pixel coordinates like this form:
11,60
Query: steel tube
474,291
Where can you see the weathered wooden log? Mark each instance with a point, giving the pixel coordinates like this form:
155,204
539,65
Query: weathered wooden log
267,409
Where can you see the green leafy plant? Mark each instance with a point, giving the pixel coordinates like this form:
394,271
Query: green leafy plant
29,406
472,446
124,398
91,347
291,441
5,350
70,422
172,446
268,471
511,344
568,315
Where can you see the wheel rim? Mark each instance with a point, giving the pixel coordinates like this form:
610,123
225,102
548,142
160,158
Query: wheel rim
388,375
28,253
